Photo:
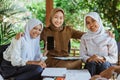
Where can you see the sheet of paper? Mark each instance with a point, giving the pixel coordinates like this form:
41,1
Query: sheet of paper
77,75
68,58
54,72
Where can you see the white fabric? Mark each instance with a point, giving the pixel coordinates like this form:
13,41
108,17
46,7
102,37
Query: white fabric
118,78
26,48
99,43
1,78
101,29
101,79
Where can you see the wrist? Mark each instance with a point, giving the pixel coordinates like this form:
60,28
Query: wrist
103,58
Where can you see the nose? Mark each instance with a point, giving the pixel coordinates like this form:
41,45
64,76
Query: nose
91,25
58,20
38,32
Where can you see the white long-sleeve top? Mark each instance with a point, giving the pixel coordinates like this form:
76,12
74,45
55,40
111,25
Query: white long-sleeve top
105,48
13,53
99,42
26,48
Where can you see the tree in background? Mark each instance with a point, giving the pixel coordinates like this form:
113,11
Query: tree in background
75,10
109,11
10,14
37,9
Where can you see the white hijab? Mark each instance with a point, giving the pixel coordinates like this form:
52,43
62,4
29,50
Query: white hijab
31,47
99,37
101,29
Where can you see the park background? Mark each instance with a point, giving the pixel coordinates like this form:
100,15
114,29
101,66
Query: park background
15,13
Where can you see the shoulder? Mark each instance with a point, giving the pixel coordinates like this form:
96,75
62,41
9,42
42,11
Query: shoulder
68,27
84,36
110,39
46,28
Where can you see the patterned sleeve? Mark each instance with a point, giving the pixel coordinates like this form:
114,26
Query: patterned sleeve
13,53
83,50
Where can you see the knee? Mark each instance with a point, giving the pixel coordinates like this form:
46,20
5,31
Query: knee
38,69
106,64
91,63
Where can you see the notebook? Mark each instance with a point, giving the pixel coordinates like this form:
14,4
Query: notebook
54,72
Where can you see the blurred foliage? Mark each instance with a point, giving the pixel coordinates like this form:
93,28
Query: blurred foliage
7,11
75,10
109,11
6,33
9,8
38,10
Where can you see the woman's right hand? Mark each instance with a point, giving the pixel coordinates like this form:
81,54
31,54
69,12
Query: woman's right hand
42,64
18,35
96,58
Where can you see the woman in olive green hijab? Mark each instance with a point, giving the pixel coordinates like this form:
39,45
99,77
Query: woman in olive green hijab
60,37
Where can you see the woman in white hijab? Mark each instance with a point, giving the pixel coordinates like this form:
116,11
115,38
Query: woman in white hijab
22,59
97,48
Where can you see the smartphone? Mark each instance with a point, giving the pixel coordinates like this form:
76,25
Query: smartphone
50,43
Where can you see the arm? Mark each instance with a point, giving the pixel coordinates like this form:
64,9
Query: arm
13,53
86,57
110,70
112,52
75,33
108,73
117,69
83,50
40,63
16,59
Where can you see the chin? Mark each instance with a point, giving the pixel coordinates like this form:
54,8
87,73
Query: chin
57,26
94,30
33,37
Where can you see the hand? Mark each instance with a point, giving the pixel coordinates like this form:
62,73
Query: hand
95,77
96,58
42,64
110,33
18,35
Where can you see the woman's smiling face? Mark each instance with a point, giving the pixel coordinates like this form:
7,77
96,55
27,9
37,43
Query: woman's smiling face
92,24
58,19
35,32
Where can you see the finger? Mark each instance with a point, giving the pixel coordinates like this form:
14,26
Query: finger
89,60
100,61
22,34
96,61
